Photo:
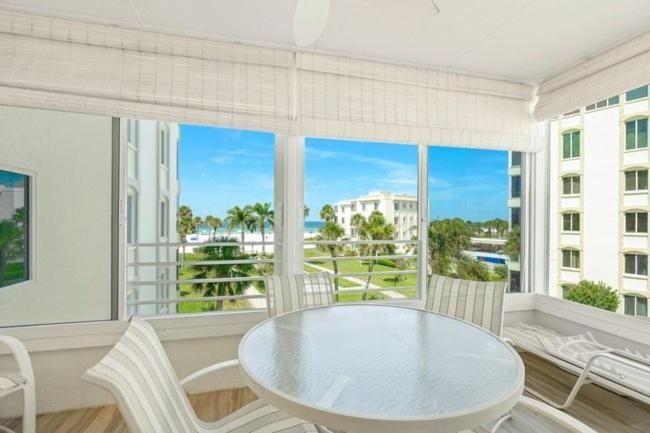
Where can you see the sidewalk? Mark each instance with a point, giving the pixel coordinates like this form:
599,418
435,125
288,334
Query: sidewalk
389,293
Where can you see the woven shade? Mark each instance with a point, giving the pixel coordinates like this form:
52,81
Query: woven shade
611,73
74,66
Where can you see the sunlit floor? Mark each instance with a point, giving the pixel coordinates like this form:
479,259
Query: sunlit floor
604,411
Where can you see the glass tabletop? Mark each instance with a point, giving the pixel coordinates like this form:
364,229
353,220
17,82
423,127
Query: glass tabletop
389,362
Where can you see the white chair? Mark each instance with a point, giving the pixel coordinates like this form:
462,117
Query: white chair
286,293
139,375
622,371
482,303
21,379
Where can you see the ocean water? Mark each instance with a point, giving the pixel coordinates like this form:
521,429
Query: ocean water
310,227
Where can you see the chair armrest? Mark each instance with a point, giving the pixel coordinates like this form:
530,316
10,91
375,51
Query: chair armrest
509,341
209,369
21,356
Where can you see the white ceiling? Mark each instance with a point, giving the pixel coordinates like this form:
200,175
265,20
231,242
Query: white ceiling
525,40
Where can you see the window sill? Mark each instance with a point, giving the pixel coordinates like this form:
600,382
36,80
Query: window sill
563,268
566,232
636,234
576,158
635,150
635,276
635,192
570,195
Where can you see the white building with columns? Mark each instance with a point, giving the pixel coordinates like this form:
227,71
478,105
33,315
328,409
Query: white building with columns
399,209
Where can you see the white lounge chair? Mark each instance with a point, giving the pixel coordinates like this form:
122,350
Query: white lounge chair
286,293
482,303
151,399
621,371
20,380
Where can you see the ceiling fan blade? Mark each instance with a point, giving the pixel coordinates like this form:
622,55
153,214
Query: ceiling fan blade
309,21
420,12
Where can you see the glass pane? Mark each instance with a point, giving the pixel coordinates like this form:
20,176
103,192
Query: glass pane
630,135
575,259
630,263
614,100
14,228
575,222
630,222
566,185
642,264
575,144
638,93
566,145
601,104
576,184
590,107
516,159
642,133
641,306
473,233
642,179
641,222
630,180
566,258
630,305
566,222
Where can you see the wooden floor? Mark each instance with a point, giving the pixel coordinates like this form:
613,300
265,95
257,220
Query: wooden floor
604,411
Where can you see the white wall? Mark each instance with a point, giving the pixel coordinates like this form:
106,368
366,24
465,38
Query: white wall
69,156
601,196
553,227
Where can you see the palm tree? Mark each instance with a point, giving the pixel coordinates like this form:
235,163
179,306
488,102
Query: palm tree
327,213
238,270
184,224
214,223
331,231
263,214
374,228
241,217
448,238
196,222
306,211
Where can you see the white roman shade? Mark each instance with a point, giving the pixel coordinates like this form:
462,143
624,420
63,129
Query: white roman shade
611,73
74,66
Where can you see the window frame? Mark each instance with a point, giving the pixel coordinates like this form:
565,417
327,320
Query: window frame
570,178
572,252
571,133
574,219
636,172
635,214
635,307
636,121
635,256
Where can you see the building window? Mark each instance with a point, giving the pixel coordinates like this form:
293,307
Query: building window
571,145
515,159
636,222
571,259
396,206
342,220
14,228
353,207
638,93
164,148
636,305
571,185
132,133
363,207
636,180
396,220
571,222
636,134
515,216
614,100
131,217
164,218
636,264
376,206
565,290
515,187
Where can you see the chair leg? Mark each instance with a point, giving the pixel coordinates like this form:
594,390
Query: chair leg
582,380
29,408
500,421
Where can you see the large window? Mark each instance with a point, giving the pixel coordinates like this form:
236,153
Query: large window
571,144
636,134
636,180
636,264
571,259
200,227
362,224
473,234
636,305
14,228
636,222
571,185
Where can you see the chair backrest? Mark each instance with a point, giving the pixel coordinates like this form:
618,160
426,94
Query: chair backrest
479,302
316,288
142,380
286,293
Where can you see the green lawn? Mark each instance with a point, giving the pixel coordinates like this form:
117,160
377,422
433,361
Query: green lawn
14,273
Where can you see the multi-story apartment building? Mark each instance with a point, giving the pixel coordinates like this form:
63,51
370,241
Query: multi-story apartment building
399,209
514,205
151,208
599,198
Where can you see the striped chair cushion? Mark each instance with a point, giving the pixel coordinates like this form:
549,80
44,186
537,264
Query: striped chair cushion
140,377
478,302
316,289
286,293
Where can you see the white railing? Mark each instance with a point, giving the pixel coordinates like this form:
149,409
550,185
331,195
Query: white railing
149,293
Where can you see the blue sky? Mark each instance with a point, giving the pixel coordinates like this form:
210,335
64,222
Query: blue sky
220,168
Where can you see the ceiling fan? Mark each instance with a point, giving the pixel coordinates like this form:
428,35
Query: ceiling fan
310,16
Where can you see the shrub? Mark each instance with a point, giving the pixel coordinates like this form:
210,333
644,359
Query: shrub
598,295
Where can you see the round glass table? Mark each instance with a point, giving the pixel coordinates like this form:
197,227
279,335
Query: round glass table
381,369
